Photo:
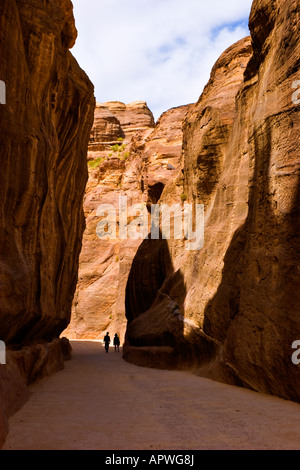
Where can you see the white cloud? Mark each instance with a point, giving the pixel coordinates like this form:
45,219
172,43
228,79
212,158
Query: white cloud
160,51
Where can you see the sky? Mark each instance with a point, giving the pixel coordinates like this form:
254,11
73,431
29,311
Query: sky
158,51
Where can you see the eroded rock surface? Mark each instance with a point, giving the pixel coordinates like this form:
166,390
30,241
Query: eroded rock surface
24,366
106,128
133,117
45,127
231,310
44,132
164,299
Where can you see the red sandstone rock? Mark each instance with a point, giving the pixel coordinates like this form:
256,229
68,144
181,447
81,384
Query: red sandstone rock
149,159
133,117
44,131
262,261
106,128
45,127
164,298
23,367
231,310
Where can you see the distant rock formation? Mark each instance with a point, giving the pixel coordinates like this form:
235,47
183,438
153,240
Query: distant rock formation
231,310
133,117
106,128
137,166
45,126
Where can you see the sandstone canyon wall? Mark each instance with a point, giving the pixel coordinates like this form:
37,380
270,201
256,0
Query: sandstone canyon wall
45,126
130,156
230,311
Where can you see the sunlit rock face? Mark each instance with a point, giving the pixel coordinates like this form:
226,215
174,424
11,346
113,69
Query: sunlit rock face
164,298
106,128
133,117
230,311
129,156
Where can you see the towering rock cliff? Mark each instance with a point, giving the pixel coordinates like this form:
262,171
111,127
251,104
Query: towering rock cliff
231,310
45,126
262,262
163,298
132,157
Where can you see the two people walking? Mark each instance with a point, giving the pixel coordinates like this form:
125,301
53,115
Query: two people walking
116,342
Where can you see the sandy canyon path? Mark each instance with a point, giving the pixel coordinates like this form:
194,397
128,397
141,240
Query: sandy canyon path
101,402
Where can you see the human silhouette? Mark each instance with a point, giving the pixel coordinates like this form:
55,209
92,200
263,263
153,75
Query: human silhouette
106,341
116,342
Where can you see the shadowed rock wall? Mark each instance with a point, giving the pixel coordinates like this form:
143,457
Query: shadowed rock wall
44,131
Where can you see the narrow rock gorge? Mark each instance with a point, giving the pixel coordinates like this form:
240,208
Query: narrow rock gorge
229,310
45,127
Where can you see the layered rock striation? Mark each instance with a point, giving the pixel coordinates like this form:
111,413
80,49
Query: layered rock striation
133,117
230,311
45,127
106,129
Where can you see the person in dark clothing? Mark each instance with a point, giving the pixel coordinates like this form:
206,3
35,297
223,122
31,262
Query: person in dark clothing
116,342
106,341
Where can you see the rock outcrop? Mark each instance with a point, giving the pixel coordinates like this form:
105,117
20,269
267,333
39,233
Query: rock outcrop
106,128
231,310
25,365
45,127
137,166
133,117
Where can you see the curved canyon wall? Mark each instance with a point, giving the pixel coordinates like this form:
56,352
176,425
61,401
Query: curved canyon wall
230,311
45,127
